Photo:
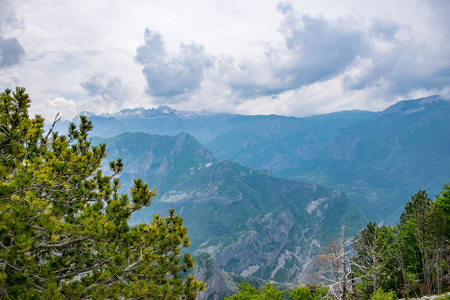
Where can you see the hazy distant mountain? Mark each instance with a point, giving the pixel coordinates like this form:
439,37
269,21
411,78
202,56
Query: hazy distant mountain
251,222
206,127
378,159
380,162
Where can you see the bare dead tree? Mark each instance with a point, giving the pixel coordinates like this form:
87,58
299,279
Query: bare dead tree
335,267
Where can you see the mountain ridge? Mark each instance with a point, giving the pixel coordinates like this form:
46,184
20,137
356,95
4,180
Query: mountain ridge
330,149
253,223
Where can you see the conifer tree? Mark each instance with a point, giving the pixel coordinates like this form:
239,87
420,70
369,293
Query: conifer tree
64,231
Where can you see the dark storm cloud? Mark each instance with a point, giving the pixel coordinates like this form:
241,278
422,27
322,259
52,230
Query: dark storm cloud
11,52
168,76
110,89
316,49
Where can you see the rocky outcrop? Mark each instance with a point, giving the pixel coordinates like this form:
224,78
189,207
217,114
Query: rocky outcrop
219,284
431,297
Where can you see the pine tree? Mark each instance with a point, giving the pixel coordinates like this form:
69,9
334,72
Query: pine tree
64,231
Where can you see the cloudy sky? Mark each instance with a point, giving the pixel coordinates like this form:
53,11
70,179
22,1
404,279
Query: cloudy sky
293,58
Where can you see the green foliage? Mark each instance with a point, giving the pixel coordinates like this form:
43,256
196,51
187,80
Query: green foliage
309,292
246,291
442,204
300,293
375,262
270,292
64,231
381,295
417,208
409,258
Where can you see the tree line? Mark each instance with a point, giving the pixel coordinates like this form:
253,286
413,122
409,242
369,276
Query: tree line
411,258
381,262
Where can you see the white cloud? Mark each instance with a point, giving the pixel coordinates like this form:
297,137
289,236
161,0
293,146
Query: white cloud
8,79
238,56
49,108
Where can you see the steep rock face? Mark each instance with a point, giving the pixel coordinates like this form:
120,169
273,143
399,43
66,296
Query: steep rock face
219,284
253,224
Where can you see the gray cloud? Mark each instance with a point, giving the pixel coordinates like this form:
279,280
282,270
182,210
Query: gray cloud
170,76
315,49
384,29
111,89
399,63
11,52
384,55
378,55
8,16
320,49
153,49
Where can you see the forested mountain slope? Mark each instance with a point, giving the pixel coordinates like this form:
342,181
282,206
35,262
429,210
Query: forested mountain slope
381,161
251,222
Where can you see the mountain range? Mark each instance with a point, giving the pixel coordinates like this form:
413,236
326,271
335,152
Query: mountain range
252,223
378,158
261,195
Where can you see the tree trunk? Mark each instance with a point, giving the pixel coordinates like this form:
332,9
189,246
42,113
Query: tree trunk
344,266
354,291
